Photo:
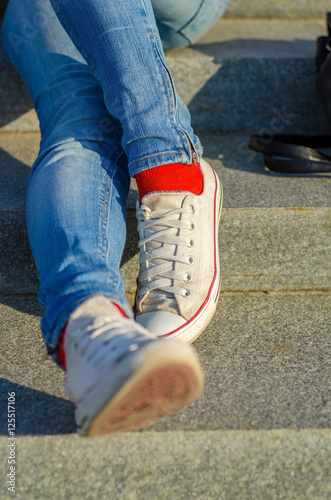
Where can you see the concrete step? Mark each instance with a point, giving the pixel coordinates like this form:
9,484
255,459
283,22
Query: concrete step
260,430
274,229
284,9
243,76
263,465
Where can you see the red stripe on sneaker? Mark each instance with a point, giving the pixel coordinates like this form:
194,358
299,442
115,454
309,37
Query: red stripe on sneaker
215,275
119,310
61,351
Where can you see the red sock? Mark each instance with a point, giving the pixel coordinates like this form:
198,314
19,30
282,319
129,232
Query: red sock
172,177
61,351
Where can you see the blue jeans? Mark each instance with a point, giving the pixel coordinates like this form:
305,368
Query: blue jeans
108,109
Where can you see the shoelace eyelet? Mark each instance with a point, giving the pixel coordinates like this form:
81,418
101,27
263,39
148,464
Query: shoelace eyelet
193,208
187,294
188,278
133,347
190,260
192,243
192,228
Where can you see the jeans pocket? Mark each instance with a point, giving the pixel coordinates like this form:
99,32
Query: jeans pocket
207,15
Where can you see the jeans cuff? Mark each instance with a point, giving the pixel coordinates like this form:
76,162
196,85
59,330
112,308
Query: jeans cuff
158,159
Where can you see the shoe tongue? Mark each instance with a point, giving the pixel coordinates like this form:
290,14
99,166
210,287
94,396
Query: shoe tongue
171,200
165,200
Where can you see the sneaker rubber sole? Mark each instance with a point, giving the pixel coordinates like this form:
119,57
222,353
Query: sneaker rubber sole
166,380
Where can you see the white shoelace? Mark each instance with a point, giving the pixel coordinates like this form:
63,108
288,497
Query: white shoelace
158,230
118,334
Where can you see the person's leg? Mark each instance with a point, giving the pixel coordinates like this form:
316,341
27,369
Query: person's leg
179,278
183,23
119,375
79,182
123,47
121,43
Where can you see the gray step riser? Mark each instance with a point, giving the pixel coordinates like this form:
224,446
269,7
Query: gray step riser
201,465
287,9
260,430
223,94
247,94
265,356
261,249
283,9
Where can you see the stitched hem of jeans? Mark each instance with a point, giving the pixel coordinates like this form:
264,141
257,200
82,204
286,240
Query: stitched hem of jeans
186,38
173,97
214,15
175,157
158,154
190,21
198,148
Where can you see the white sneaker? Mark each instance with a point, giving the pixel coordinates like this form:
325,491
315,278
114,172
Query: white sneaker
179,277
120,376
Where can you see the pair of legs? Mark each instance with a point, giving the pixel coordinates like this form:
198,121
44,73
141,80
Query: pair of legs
108,109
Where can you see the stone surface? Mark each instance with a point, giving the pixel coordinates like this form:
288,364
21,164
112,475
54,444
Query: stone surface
263,465
261,250
245,76
247,184
245,181
264,8
260,430
17,154
268,225
260,38
281,8
239,77
266,359
17,269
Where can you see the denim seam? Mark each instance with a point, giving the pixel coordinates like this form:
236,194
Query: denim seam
186,38
95,73
158,154
106,202
147,12
164,83
166,90
189,22
104,219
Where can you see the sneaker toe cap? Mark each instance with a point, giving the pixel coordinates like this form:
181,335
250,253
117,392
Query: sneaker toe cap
160,322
